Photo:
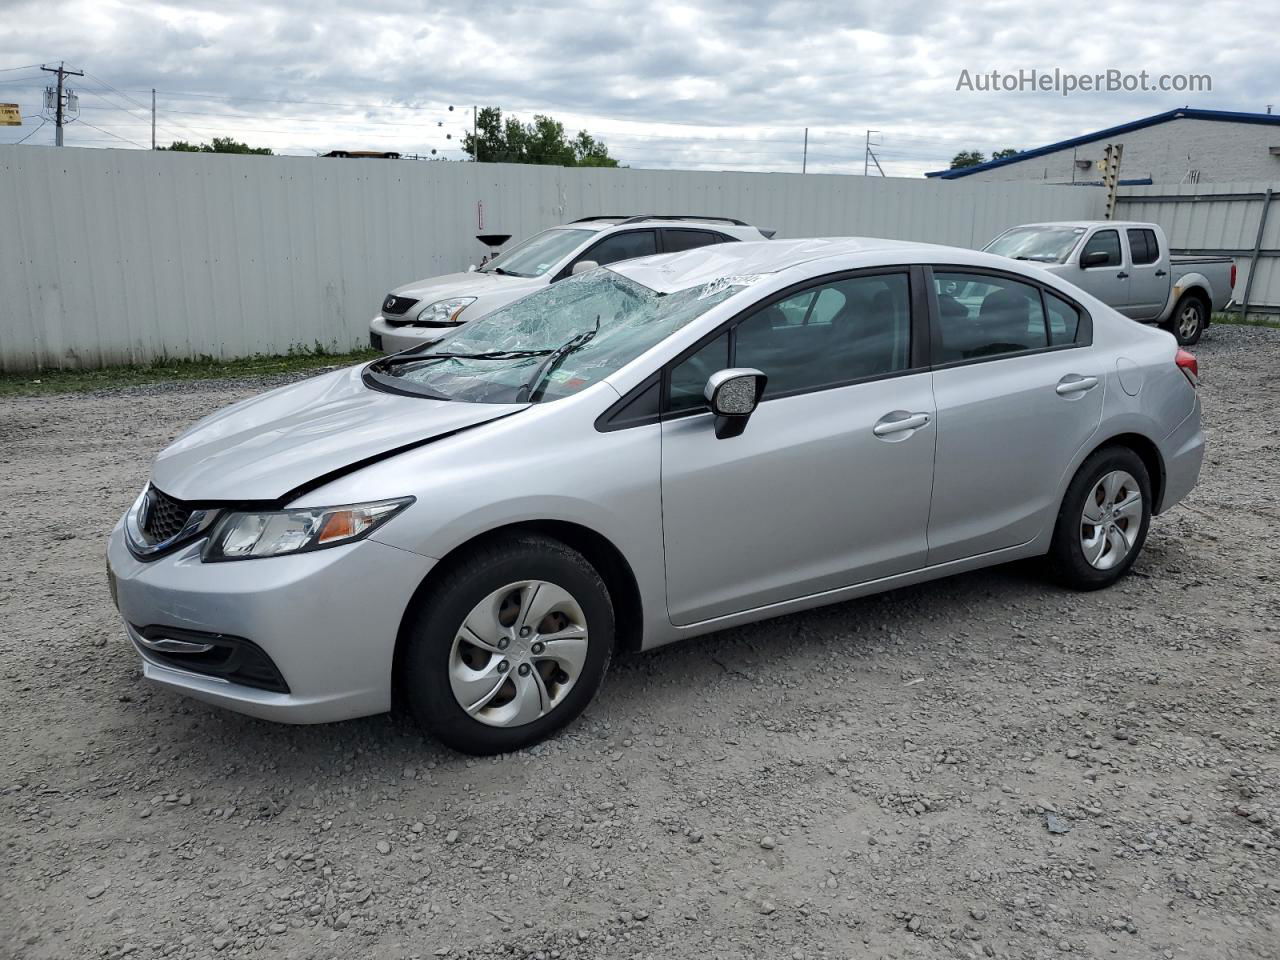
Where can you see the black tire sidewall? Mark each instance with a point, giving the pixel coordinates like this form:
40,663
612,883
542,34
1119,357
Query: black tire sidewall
1065,554
425,665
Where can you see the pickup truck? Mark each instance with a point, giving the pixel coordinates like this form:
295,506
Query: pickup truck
1127,266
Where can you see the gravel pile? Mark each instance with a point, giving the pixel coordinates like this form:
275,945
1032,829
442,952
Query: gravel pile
987,766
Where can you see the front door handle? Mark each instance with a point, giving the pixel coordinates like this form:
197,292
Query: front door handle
899,422
1161,273
1122,275
1074,383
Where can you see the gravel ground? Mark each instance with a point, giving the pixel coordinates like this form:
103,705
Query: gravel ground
983,766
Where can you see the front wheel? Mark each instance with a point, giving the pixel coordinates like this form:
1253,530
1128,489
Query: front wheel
1103,521
1190,317
509,646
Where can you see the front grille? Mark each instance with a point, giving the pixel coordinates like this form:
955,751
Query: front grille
165,517
395,306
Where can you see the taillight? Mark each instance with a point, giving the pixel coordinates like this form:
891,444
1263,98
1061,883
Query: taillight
1186,361
1233,276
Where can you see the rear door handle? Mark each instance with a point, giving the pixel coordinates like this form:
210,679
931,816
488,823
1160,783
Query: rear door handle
1122,275
1161,273
899,421
1074,383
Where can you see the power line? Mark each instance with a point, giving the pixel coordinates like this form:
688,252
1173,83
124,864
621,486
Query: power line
110,134
43,121
29,66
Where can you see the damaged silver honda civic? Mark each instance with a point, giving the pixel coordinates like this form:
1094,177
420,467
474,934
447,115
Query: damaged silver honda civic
642,453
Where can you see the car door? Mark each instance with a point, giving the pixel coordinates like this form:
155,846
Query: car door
1109,279
1019,391
830,483
1148,275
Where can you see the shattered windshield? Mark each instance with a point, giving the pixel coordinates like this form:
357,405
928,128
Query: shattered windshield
551,344
538,254
1039,244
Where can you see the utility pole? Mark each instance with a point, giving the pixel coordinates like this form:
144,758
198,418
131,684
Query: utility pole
804,160
153,118
1109,166
475,133
62,72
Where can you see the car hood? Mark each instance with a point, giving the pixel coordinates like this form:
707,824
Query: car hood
271,445
472,284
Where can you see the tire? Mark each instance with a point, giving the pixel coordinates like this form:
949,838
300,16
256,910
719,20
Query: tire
493,589
1075,540
1189,318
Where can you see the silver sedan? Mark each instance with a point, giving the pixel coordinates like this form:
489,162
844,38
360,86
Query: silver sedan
639,454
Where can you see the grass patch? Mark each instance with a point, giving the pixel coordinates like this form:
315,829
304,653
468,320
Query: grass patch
168,371
1271,320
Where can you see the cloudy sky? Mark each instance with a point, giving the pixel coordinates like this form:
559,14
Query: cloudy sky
709,84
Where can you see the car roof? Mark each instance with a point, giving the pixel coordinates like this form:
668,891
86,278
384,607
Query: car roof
726,225
1086,224
679,271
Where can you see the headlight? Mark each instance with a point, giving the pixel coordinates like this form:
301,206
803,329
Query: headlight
243,536
445,311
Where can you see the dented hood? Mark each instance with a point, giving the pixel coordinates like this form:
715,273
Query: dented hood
268,446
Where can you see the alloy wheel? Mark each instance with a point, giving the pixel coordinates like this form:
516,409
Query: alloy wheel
1189,320
518,653
1111,520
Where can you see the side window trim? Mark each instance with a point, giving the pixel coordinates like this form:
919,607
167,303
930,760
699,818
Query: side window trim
918,324
1084,331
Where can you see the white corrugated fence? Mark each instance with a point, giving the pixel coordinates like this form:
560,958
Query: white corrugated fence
122,256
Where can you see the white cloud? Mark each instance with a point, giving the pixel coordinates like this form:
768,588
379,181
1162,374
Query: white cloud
686,84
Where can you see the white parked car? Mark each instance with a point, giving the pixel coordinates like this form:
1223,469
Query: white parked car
422,311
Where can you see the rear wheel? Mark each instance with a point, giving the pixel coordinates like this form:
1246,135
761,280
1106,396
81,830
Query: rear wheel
509,646
1190,317
1103,521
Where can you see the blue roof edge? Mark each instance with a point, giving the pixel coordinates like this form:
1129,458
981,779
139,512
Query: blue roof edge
1223,116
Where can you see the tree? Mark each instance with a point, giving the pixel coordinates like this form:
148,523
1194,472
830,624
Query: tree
967,158
1006,152
498,140
219,145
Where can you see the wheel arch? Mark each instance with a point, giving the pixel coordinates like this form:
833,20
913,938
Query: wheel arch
1197,286
1148,452
601,553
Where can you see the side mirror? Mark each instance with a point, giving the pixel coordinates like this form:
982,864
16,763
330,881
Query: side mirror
582,266
471,268
733,395
1097,258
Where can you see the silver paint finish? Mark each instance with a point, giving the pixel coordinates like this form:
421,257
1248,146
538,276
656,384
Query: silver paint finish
263,447
1005,433
825,496
807,499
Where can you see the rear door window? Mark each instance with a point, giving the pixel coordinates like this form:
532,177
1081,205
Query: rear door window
1143,246
673,241
986,316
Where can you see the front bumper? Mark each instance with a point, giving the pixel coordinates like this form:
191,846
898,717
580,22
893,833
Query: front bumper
392,338
327,620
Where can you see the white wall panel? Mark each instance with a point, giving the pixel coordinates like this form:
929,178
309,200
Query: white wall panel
119,256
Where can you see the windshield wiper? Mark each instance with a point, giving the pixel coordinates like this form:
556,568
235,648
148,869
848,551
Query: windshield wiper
547,366
399,358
